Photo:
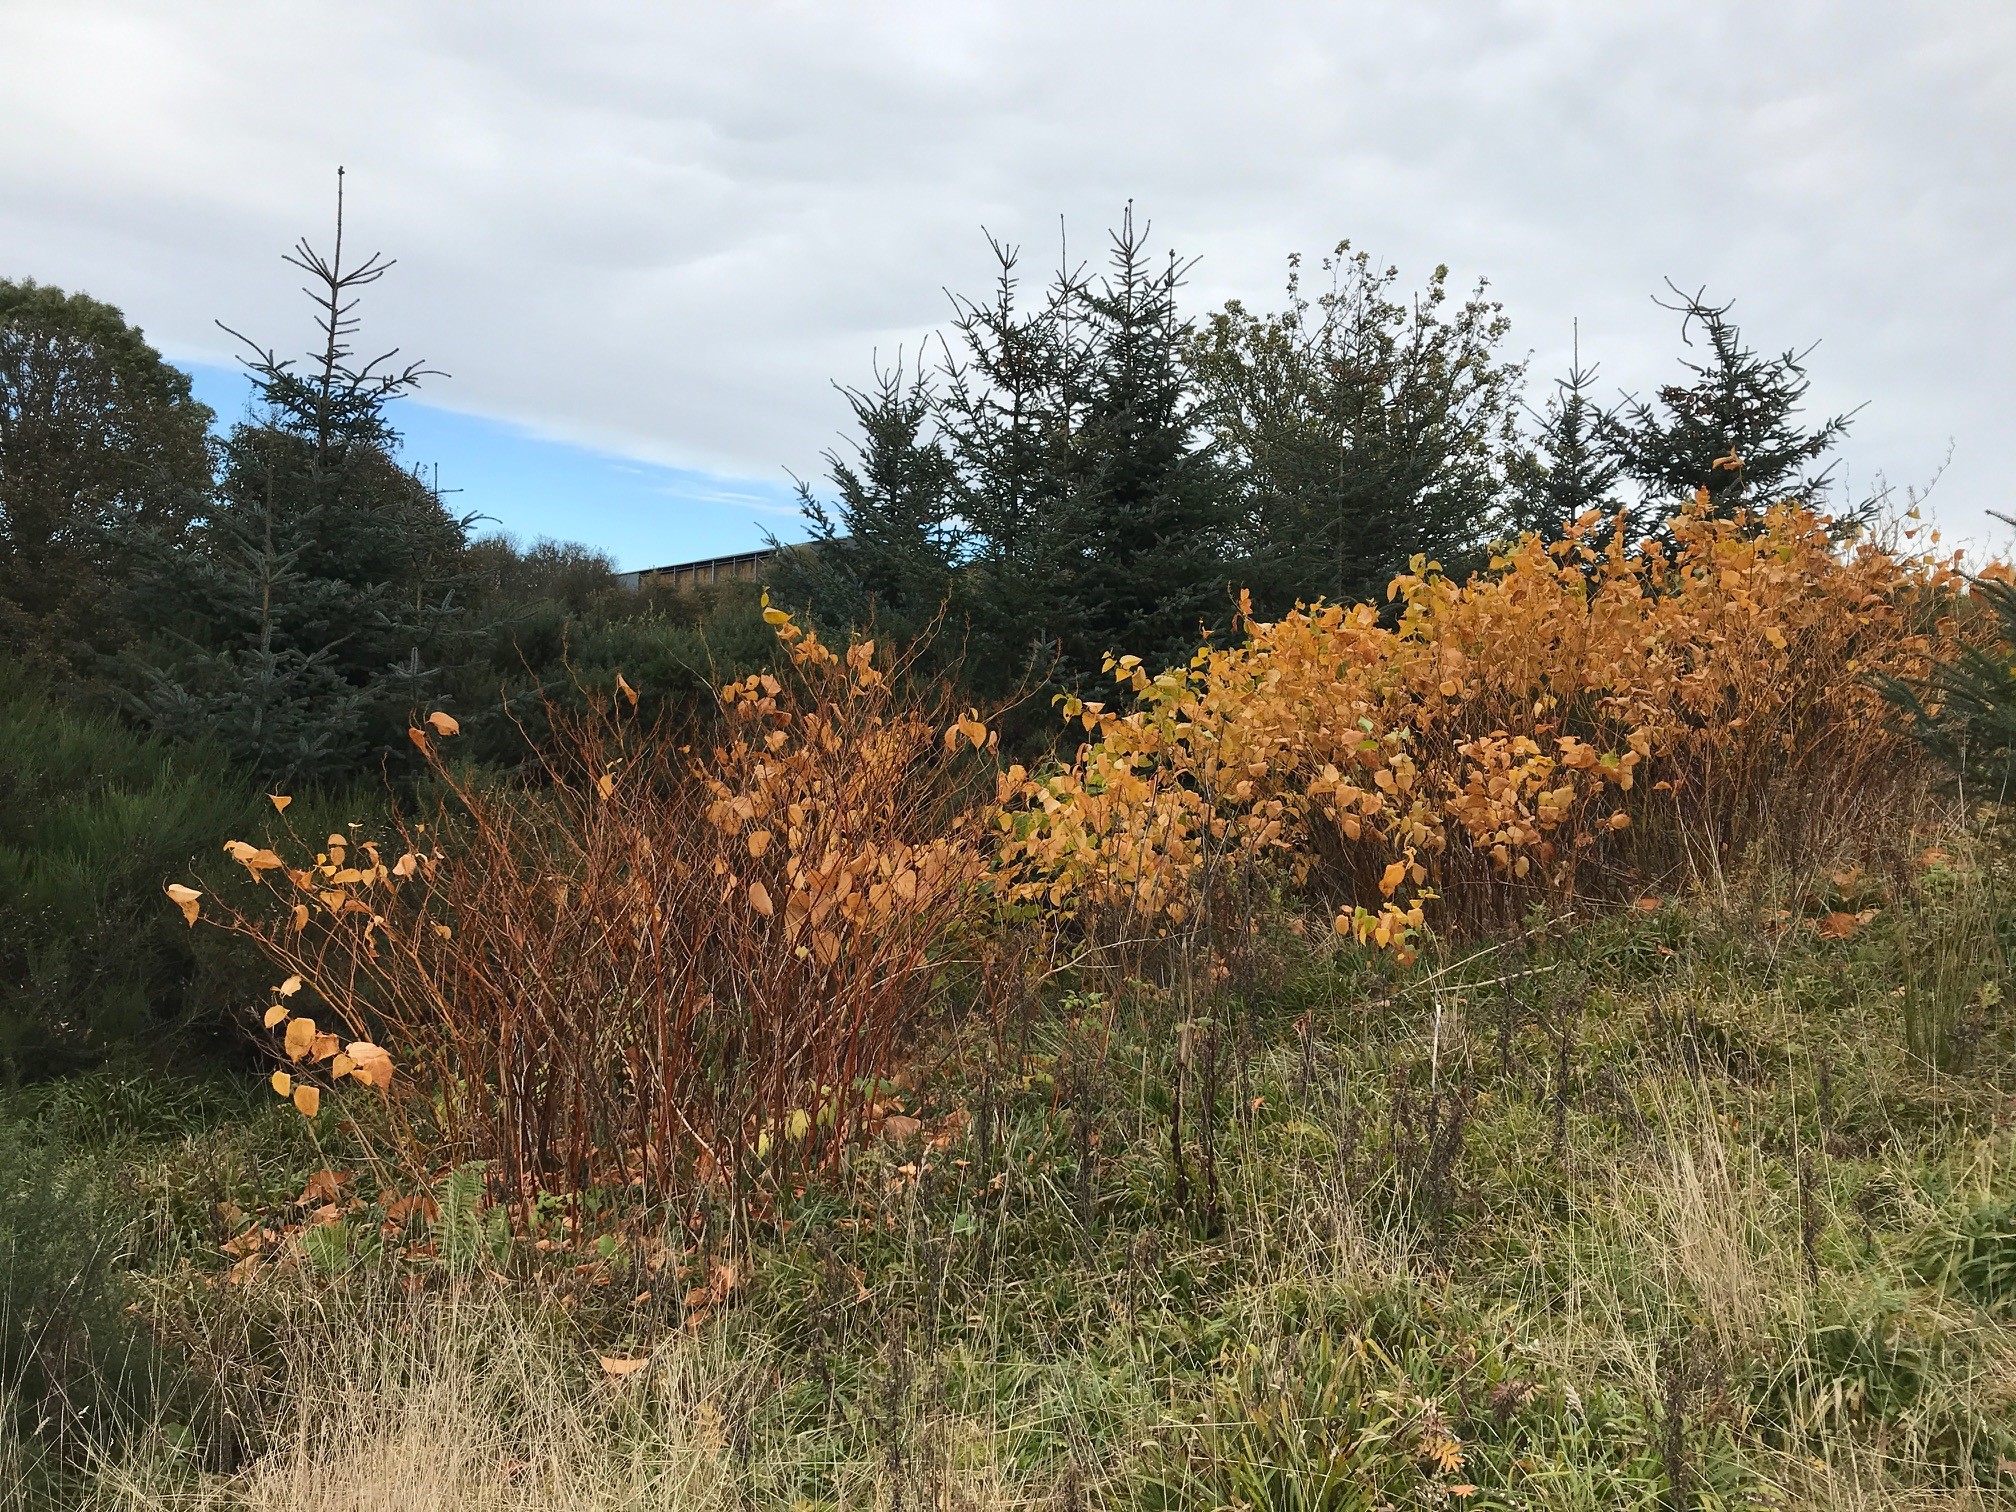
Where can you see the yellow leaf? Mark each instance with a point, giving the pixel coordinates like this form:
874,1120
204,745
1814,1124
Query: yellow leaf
300,1038
282,1083
300,917
342,1066
620,1367
280,801
626,690
444,724
275,1015
308,1100
759,899
605,785
1620,821
373,1064
759,842
406,865
1391,879
185,898
776,617
417,736
289,987
325,1046
796,1122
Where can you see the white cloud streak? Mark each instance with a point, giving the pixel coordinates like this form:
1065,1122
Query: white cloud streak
663,229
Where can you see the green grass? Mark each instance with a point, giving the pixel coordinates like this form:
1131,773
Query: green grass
1669,1210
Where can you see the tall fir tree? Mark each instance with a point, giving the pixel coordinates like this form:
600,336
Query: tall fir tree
1568,470
1367,428
1050,483
887,551
1735,427
314,607
1145,524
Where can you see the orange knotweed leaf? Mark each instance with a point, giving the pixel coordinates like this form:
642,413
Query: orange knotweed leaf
324,1046
282,1083
300,917
626,690
373,1064
759,899
308,1100
185,898
605,785
445,724
289,987
279,801
300,1038
275,1015
417,735
617,1367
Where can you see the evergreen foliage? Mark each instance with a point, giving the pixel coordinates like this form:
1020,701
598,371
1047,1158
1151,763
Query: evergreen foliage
1048,485
1568,470
1368,428
1734,427
316,603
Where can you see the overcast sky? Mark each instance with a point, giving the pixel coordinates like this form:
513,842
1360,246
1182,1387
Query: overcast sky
646,237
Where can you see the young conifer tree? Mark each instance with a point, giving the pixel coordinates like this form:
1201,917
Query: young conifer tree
1735,427
313,608
1367,428
1569,470
886,552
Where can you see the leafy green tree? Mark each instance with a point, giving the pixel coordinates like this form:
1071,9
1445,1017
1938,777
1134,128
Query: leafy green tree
314,606
1568,471
1734,427
99,438
1366,427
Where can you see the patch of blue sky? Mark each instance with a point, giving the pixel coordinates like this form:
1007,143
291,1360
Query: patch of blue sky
642,513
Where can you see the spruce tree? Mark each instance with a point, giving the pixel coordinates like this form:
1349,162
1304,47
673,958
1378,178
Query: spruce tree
1050,483
887,551
1144,526
312,611
1568,471
1734,427
1367,428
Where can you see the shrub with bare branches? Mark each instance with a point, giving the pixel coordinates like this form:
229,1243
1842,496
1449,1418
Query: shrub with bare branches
671,966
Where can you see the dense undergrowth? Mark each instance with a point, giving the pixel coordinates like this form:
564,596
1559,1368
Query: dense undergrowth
1542,1050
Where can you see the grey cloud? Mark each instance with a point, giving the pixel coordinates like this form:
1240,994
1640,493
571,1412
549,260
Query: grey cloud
663,229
